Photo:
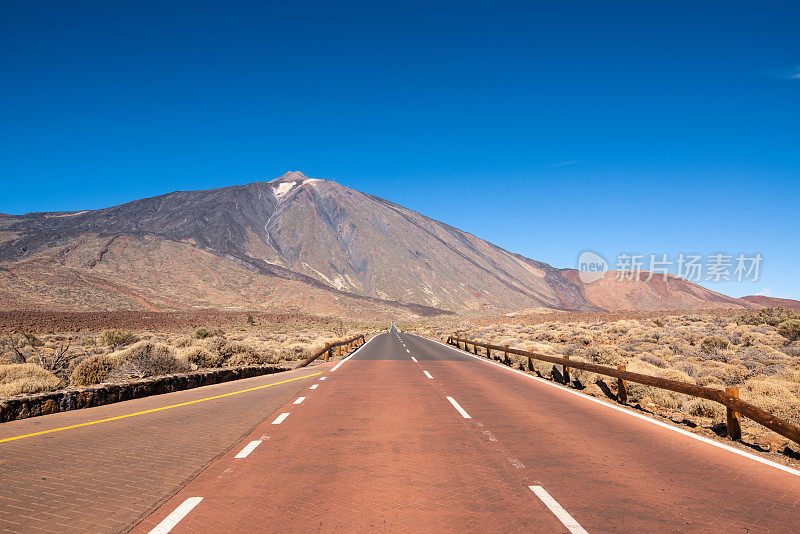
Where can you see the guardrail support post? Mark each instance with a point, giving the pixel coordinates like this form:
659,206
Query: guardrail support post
506,351
566,371
475,346
530,364
327,353
733,422
622,387
488,353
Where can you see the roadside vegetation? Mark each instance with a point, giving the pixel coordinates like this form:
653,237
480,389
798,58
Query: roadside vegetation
758,351
34,363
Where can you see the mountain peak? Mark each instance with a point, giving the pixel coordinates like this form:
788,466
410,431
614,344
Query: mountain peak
291,176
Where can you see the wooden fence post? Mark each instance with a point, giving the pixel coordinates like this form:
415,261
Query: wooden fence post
488,353
530,364
327,353
475,346
506,347
622,387
733,421
566,371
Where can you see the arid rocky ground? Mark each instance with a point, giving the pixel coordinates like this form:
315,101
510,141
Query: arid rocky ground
46,352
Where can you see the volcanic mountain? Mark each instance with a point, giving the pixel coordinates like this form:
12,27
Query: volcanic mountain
290,244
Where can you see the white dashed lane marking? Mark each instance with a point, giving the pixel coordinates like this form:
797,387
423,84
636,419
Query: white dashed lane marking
250,447
315,386
174,518
280,418
427,374
458,407
299,400
562,515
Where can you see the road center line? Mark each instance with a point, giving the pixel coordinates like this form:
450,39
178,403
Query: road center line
299,400
562,515
427,374
250,447
174,518
461,410
89,423
413,358
315,386
280,418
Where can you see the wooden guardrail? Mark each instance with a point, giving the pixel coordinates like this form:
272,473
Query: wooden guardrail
729,398
327,351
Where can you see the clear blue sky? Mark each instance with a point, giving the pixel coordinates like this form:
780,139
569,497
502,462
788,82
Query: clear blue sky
646,127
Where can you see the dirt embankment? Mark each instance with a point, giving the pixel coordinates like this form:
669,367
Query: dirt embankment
51,321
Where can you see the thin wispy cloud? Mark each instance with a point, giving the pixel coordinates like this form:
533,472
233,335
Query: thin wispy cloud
767,291
561,164
788,74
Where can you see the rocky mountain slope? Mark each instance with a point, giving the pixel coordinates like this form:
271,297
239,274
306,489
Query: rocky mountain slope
639,293
293,243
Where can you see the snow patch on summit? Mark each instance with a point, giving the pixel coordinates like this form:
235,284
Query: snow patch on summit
281,189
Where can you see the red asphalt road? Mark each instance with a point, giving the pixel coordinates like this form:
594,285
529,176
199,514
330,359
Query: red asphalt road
378,447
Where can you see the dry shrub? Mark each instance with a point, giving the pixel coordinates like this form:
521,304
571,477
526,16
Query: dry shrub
790,329
182,342
607,355
249,358
295,351
709,381
690,368
26,378
662,397
145,358
769,316
203,333
704,408
114,337
666,398
654,359
757,358
779,394
532,346
92,370
230,348
215,344
712,343
730,375
201,358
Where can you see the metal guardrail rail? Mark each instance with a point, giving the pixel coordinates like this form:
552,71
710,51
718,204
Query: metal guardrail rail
728,398
327,351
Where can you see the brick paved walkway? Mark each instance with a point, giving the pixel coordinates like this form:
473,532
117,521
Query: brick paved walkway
103,478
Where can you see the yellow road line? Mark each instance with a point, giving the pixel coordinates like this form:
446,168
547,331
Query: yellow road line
88,423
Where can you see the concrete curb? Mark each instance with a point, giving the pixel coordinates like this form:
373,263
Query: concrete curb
25,406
